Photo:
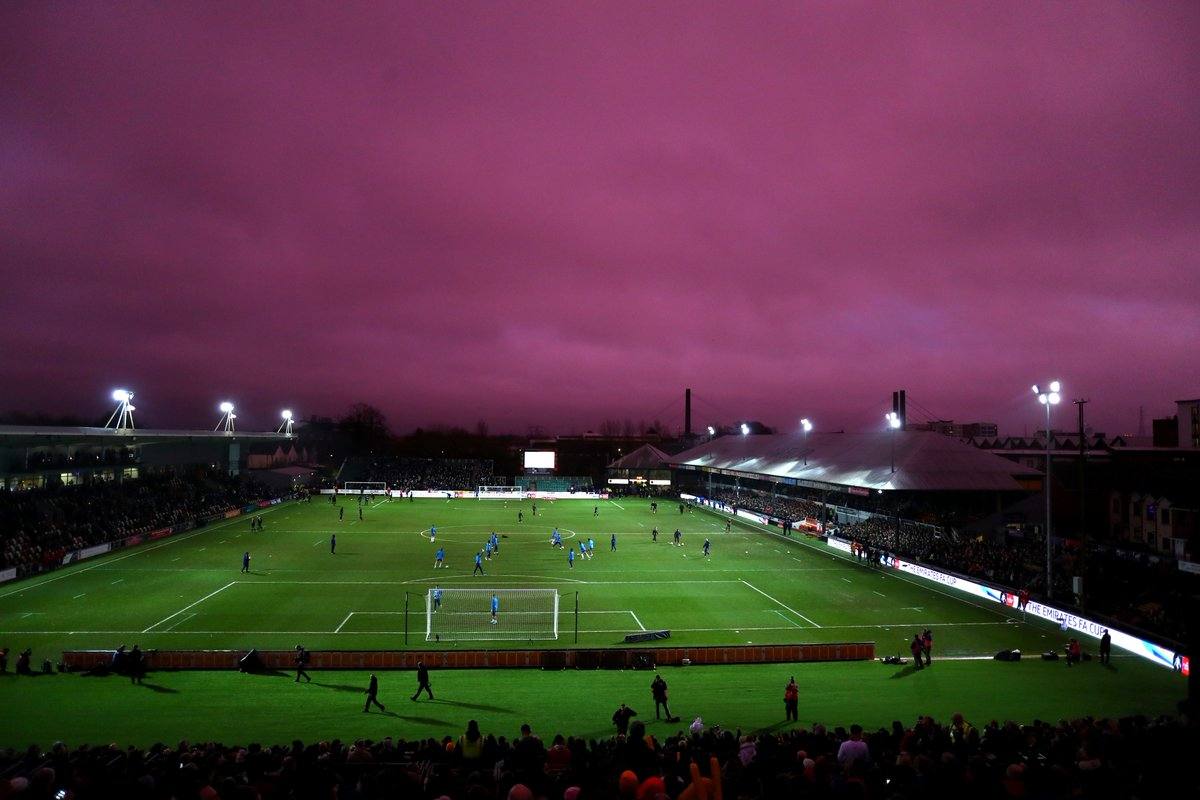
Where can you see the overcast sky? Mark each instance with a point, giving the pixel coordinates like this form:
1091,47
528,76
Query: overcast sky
558,213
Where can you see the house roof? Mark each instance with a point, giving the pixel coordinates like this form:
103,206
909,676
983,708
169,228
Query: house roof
924,461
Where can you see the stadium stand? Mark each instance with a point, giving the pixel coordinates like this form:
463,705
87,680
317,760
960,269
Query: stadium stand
555,483
1138,590
1130,757
421,474
40,526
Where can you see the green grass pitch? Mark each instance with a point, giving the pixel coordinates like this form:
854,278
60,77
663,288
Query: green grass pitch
757,587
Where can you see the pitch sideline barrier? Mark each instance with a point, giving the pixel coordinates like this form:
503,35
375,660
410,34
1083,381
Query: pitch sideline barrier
608,658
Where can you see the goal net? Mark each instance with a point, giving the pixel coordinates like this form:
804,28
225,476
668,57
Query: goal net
500,492
364,487
460,615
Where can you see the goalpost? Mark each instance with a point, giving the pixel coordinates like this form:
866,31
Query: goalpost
364,487
499,492
460,615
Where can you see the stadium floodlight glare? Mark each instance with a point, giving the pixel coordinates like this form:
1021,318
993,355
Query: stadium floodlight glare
893,422
806,426
286,426
227,417
712,431
1048,399
123,415
745,429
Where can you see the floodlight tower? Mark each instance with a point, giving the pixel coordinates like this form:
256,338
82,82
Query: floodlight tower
1048,399
893,422
227,417
285,427
123,415
806,426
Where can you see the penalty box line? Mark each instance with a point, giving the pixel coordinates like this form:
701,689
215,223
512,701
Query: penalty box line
778,603
561,612
190,606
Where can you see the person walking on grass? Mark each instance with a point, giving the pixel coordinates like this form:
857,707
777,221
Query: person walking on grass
373,695
302,658
422,681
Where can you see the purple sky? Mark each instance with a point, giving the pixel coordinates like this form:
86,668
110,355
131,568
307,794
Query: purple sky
555,215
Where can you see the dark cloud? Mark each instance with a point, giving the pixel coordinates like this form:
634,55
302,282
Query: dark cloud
550,214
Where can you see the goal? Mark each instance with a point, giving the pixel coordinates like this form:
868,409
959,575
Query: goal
464,615
500,492
364,487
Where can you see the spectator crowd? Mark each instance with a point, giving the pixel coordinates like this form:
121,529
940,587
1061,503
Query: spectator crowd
1093,758
39,527
421,474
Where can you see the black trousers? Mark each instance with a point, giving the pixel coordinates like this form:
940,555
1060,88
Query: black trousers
663,704
300,673
372,699
792,709
423,686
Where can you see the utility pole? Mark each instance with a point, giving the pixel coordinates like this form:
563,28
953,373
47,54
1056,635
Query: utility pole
1079,404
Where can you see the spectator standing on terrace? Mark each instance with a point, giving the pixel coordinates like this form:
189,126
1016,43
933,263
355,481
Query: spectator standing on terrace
791,701
470,744
1106,648
373,695
854,750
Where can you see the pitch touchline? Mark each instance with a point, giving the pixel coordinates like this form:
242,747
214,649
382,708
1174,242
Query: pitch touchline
614,630
773,600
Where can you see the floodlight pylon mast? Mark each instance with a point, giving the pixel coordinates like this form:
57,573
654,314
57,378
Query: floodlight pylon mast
123,414
227,418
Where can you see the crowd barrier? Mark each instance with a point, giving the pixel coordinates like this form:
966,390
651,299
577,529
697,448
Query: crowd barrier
602,658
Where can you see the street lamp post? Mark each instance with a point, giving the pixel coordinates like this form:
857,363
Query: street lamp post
893,421
1048,399
806,426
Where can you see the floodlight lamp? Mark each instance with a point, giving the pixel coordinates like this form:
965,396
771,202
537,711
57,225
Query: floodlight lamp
1035,389
133,408
712,431
806,424
893,419
1042,399
122,395
225,407
745,429
1054,398
232,416
1055,386
286,414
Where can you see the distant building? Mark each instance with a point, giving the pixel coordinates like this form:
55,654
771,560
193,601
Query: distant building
1166,432
959,430
1188,416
